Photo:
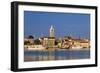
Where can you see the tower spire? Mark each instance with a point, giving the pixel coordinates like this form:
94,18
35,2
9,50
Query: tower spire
52,31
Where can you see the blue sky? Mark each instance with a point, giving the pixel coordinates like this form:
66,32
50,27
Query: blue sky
39,23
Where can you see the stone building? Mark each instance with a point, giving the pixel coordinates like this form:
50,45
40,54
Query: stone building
48,42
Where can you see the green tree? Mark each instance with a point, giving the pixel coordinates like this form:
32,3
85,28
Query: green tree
30,37
26,42
56,42
37,42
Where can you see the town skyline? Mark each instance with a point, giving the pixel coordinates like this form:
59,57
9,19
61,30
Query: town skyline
51,42
80,27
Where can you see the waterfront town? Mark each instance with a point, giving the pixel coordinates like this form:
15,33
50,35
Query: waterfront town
51,42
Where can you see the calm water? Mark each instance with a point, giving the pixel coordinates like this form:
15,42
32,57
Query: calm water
56,55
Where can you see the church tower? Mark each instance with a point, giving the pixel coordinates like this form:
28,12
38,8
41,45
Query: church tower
52,33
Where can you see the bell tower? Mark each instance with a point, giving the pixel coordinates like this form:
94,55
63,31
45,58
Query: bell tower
52,31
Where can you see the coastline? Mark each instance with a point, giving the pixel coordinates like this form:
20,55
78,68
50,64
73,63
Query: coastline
59,49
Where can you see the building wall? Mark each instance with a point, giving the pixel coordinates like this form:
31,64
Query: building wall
48,42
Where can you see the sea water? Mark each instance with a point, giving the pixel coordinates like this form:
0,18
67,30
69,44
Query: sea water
42,55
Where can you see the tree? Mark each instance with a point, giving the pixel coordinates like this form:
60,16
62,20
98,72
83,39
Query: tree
26,42
37,42
56,42
69,37
30,37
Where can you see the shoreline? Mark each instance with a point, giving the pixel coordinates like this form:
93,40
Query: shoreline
60,49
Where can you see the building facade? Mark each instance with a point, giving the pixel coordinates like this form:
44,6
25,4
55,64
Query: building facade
49,42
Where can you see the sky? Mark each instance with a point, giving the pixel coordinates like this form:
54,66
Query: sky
38,24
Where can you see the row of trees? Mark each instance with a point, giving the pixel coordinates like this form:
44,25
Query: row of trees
36,41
